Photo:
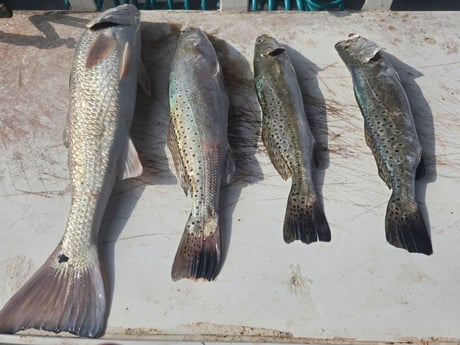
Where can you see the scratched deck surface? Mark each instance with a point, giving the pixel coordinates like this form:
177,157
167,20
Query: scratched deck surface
356,287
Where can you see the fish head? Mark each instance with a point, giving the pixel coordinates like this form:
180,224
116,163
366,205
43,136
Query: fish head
123,15
194,42
194,48
267,46
358,48
116,30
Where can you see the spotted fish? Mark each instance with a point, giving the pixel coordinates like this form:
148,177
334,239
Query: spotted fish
287,136
200,150
67,293
391,134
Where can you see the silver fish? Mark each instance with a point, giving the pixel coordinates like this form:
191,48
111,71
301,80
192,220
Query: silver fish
200,150
391,134
67,293
288,139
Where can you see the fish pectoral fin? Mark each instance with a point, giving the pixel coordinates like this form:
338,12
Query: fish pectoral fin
102,47
143,78
130,164
381,168
215,69
126,61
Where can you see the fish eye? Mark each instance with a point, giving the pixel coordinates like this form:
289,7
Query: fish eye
260,40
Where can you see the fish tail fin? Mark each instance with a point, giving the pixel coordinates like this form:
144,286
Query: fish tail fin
405,227
199,252
304,219
60,296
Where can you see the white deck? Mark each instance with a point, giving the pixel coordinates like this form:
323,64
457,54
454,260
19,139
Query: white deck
356,289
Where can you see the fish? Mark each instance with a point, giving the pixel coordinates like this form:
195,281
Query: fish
287,136
67,293
199,146
391,135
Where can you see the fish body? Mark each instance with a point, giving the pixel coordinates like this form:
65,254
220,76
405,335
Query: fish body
288,139
199,146
67,293
391,134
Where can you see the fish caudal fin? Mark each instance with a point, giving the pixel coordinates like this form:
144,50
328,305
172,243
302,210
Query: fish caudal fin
59,297
199,252
405,228
304,219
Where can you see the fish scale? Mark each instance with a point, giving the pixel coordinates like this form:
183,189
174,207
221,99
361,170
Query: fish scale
391,134
289,142
198,143
67,293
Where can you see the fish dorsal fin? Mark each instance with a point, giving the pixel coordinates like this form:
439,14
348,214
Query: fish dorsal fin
143,78
126,61
129,164
100,49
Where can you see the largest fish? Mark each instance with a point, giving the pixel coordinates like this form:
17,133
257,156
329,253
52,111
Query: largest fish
199,146
391,134
67,293
289,141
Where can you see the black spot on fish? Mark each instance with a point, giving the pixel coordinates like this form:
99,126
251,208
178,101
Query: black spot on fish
62,258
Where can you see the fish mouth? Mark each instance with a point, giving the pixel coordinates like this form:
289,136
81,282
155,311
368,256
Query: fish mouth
345,44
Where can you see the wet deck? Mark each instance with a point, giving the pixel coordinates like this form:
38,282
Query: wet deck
356,289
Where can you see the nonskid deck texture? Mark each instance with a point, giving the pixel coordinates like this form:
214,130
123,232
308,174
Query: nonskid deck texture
357,288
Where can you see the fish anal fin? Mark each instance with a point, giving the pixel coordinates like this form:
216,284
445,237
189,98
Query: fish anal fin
130,165
102,47
173,146
60,298
276,157
382,170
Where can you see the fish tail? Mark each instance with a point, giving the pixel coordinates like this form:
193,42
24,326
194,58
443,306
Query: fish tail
304,219
405,227
199,252
59,297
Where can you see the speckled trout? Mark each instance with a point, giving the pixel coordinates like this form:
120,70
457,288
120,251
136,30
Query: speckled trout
391,134
67,293
200,150
288,139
